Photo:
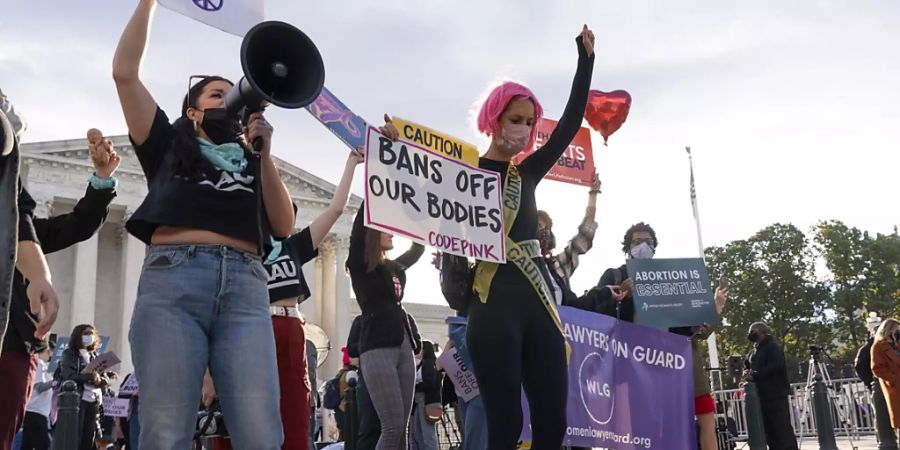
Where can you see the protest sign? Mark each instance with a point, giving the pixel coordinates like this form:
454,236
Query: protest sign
130,387
630,387
460,374
576,165
433,199
235,17
332,113
436,141
116,407
672,292
103,362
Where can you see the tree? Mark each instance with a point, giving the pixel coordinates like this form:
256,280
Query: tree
772,279
864,277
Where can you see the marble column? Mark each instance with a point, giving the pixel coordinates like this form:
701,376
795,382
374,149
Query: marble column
343,315
84,282
326,250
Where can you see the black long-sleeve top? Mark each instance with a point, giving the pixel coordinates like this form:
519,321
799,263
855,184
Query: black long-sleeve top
533,168
600,301
71,366
769,371
53,234
379,292
863,364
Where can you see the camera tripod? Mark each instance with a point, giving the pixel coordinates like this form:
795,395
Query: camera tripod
818,372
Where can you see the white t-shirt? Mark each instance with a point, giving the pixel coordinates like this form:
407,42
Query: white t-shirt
41,402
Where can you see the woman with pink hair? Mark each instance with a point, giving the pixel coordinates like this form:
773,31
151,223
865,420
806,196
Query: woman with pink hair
514,333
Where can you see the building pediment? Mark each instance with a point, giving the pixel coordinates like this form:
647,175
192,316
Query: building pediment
72,156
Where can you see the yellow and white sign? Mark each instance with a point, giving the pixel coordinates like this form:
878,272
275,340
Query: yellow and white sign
444,144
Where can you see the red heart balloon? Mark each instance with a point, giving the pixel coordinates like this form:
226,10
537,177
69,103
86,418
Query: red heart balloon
607,111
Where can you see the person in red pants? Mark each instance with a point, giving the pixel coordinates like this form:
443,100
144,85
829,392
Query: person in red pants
27,331
287,289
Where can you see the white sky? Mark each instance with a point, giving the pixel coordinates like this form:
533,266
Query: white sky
790,107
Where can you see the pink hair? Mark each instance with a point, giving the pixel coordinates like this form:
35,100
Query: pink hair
496,103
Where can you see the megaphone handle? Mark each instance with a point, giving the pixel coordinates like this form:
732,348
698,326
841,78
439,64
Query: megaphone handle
257,144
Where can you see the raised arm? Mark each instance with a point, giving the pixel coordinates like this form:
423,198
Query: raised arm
58,232
356,254
138,105
540,162
411,256
320,227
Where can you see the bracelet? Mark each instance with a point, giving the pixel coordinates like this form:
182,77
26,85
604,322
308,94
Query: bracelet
103,183
594,191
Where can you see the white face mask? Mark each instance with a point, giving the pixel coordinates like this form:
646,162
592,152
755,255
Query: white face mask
87,340
642,251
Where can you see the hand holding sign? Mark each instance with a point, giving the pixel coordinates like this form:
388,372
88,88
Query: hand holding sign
389,130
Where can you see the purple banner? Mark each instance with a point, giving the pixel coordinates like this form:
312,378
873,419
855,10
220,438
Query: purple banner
346,125
630,386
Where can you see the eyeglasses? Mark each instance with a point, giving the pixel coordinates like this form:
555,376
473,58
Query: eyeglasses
192,83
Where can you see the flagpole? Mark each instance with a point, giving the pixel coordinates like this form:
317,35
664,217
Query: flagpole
711,341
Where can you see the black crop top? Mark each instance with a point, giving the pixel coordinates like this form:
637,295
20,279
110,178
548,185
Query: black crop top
222,202
285,275
533,168
380,291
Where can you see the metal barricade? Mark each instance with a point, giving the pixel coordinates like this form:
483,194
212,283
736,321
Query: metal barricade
851,409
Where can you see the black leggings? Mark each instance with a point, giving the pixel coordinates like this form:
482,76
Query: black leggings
88,415
514,342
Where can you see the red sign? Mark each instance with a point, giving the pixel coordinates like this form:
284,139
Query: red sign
576,165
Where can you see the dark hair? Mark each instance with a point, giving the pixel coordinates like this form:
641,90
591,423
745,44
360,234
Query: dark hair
638,228
428,351
375,255
542,215
188,162
77,332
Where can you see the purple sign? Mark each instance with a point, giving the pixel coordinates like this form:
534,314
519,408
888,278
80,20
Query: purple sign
630,386
346,125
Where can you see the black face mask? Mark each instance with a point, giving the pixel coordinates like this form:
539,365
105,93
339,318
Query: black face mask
220,127
547,240
752,336
897,336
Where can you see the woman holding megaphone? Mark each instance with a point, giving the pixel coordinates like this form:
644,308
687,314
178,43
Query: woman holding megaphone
211,207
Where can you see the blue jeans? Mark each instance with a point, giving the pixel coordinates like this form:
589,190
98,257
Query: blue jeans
425,432
472,412
474,424
202,306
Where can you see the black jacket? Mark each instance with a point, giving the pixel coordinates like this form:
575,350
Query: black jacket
53,234
863,364
70,366
383,321
600,301
769,371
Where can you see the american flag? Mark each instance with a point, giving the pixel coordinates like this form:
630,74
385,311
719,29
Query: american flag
693,187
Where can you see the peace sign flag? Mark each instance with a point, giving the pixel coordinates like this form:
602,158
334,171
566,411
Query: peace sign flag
232,16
